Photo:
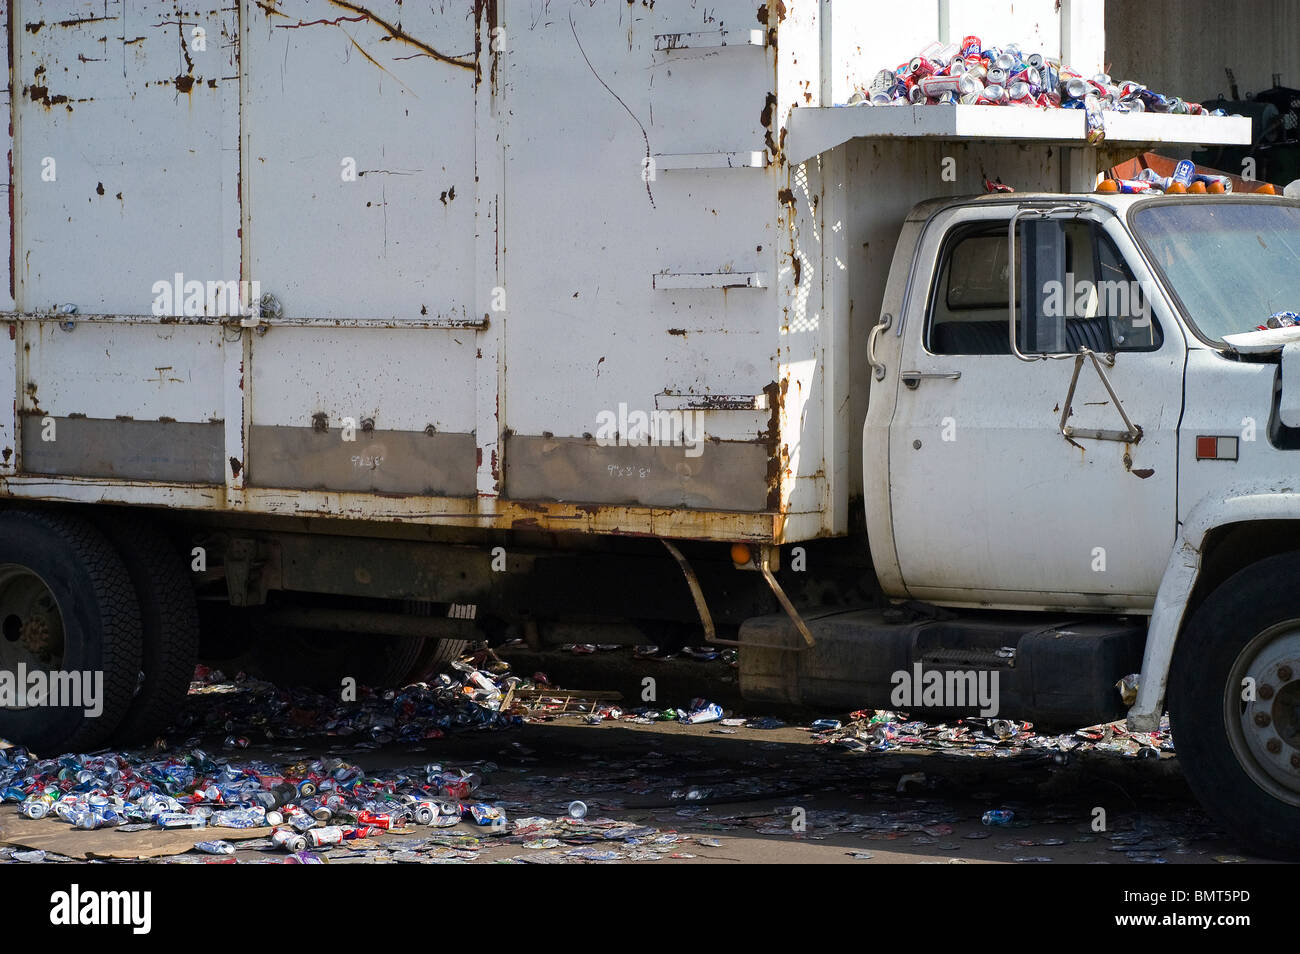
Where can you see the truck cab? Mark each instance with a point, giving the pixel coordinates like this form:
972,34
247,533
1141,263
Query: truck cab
1088,409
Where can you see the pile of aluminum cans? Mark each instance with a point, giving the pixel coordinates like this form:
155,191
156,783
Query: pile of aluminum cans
972,74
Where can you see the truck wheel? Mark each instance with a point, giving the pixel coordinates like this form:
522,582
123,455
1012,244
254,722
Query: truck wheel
169,622
1241,754
67,606
433,655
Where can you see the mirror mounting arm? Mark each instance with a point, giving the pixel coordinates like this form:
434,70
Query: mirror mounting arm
1132,432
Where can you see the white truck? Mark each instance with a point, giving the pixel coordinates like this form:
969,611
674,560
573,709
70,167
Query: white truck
330,320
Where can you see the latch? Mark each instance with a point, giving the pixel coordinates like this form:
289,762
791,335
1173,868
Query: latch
268,306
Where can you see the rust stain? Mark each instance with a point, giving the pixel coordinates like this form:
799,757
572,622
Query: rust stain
13,246
397,33
776,401
1144,472
485,10
677,331
41,94
769,107
335,22
235,466
80,22
270,8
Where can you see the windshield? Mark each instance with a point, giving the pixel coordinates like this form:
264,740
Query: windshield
1232,264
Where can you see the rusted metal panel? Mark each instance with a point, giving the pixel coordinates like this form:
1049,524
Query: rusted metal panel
607,322
8,409
119,112
726,475
6,171
359,119
431,464
430,512
137,371
8,329
163,451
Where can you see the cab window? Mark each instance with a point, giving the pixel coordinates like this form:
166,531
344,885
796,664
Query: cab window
1105,310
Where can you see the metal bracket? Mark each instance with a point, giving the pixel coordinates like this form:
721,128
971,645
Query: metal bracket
1132,435
244,582
706,618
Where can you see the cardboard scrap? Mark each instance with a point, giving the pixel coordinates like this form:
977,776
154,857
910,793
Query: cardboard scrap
58,838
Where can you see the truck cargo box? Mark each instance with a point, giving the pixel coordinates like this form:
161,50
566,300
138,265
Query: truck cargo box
603,267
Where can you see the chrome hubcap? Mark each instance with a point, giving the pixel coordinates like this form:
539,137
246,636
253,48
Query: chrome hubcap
1262,710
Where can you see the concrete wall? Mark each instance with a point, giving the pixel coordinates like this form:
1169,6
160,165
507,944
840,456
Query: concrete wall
1182,46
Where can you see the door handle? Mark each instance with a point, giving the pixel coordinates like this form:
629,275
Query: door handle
877,365
913,378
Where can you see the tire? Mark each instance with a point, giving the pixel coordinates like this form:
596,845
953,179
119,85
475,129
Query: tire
435,654
169,621
66,604
322,660
1246,774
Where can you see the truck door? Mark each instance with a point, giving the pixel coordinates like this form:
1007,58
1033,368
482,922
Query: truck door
1015,479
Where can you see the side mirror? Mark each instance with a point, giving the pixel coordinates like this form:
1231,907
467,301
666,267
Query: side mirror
1041,328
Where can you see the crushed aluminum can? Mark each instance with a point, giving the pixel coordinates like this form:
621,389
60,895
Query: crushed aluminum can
321,837
215,847
1128,688
486,815
180,820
